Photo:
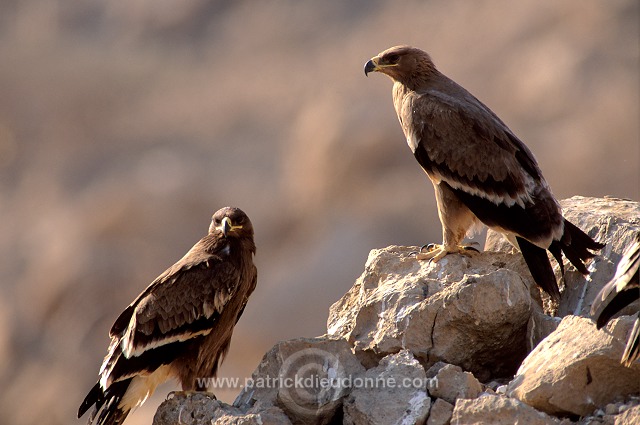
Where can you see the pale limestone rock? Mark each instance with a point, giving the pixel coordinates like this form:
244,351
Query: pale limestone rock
440,413
468,311
577,368
449,382
203,409
629,417
498,410
397,397
539,327
611,221
307,378
625,412
482,313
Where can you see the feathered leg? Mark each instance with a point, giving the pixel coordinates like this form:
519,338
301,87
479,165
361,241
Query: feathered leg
456,221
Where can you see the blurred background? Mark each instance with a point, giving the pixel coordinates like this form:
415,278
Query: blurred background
125,125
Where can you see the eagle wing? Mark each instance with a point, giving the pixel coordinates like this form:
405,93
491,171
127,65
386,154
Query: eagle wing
460,141
180,306
622,289
182,303
465,144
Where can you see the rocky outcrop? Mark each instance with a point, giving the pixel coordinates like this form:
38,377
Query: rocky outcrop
398,395
469,311
449,383
307,378
467,340
498,410
577,368
204,409
608,220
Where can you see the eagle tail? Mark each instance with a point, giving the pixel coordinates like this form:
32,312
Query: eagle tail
576,246
107,403
603,309
540,267
92,398
632,350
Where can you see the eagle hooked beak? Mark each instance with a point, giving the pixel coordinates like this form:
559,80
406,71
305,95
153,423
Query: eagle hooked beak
371,66
374,65
226,226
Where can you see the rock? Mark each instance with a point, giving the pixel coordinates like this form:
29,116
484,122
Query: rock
464,320
630,416
539,327
449,382
468,311
203,409
397,394
440,413
307,378
498,410
608,220
620,413
577,368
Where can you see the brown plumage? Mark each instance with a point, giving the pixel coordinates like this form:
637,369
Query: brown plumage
180,326
619,292
479,169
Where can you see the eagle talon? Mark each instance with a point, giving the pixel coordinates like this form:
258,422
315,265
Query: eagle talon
437,252
434,252
429,247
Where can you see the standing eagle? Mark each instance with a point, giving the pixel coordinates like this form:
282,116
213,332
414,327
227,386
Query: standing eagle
180,326
622,290
479,169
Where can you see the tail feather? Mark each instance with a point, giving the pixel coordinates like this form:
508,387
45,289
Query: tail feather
605,307
540,267
107,402
95,396
622,290
576,246
555,250
632,350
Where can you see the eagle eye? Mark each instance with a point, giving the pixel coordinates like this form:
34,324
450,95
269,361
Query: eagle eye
393,59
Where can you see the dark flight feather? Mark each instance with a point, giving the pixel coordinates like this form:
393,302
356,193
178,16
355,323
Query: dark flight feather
619,292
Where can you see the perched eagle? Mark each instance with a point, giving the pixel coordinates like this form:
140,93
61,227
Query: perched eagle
180,326
480,170
622,290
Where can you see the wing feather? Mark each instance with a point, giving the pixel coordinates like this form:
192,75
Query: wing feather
181,306
465,144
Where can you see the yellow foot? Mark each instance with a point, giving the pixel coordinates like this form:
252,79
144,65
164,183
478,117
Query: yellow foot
435,252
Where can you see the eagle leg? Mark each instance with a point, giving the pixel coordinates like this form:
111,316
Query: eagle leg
456,220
